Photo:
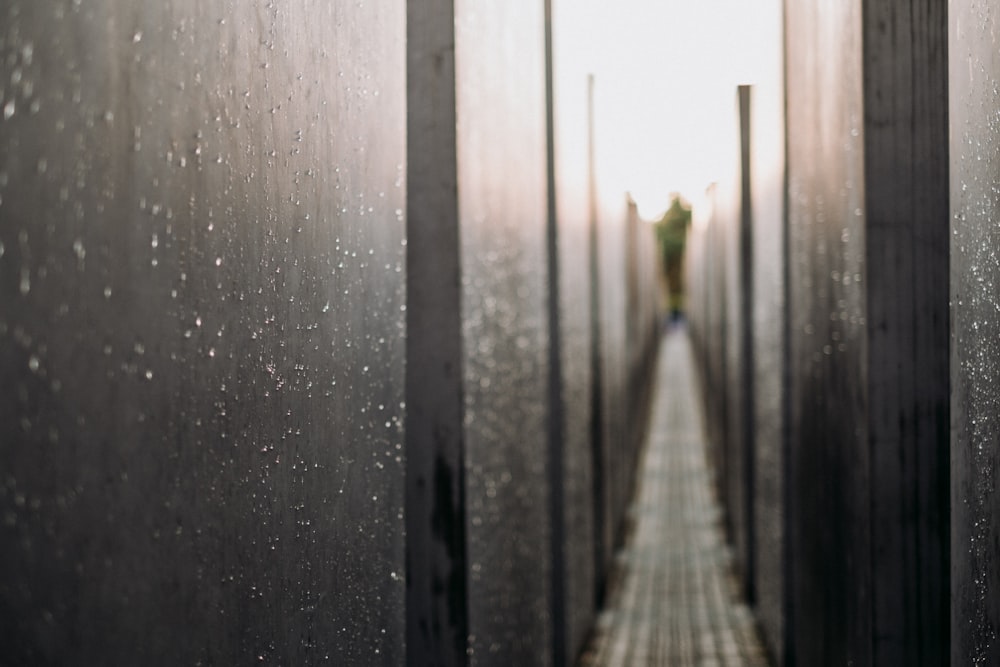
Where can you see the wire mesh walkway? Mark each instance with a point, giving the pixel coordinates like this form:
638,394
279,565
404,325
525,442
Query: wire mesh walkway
674,597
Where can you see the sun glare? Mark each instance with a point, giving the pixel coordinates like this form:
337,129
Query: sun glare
665,89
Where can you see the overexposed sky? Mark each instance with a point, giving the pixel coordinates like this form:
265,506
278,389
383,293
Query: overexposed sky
666,73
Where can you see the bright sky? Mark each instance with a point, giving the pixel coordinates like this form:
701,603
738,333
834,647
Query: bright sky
666,73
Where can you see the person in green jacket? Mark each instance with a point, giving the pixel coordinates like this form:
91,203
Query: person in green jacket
671,231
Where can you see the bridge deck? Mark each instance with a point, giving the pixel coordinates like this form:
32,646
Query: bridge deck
674,598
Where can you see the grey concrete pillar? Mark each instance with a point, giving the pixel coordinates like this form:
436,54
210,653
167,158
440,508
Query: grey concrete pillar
739,386
642,329
477,99
906,237
770,353
437,566
867,165
502,209
623,335
829,474
558,446
569,169
612,313
603,540
715,327
975,455
201,336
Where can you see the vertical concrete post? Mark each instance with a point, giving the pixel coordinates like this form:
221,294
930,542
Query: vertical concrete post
502,208
569,204
602,529
829,520
974,73
906,272
201,332
557,445
716,320
770,353
745,333
729,219
867,160
481,553
437,567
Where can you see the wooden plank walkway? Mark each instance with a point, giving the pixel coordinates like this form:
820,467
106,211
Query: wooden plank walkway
674,598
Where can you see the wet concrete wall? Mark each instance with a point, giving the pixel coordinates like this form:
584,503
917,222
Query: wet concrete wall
716,265
767,201
627,310
697,275
201,266
975,205
215,276
732,217
720,267
705,264
516,310
608,335
906,172
867,160
829,525
849,341
642,324
436,553
571,185
611,313
502,210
